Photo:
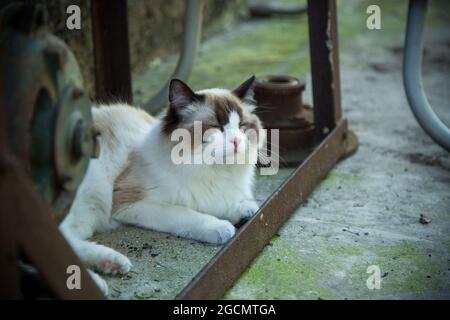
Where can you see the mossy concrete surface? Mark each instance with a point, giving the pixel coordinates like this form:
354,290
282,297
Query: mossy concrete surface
367,211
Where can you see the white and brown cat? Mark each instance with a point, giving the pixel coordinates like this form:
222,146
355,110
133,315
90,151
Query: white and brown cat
134,180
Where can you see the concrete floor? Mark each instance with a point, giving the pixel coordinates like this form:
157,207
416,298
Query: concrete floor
367,211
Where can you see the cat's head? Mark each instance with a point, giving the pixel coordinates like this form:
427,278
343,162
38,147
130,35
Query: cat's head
228,123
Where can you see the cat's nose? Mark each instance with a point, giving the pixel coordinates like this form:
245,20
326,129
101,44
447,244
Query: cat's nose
235,141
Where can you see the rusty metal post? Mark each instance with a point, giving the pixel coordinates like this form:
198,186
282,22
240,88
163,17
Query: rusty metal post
324,52
9,248
111,50
38,237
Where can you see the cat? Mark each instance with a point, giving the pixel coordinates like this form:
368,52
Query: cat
134,180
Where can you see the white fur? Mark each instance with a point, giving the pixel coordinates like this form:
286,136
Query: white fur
201,202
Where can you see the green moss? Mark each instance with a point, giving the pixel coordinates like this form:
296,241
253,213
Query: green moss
407,269
338,271
262,47
280,273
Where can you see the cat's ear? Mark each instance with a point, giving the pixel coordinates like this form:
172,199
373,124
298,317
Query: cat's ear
244,88
180,95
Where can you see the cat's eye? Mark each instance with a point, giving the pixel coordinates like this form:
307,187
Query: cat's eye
216,127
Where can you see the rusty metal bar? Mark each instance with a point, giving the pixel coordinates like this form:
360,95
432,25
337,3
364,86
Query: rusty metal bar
38,237
27,227
324,53
111,50
9,253
213,281
9,260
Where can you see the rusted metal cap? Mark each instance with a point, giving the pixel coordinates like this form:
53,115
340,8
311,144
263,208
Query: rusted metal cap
280,107
280,85
279,100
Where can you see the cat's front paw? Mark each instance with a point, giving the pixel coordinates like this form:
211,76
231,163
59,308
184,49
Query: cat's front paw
112,262
217,232
247,209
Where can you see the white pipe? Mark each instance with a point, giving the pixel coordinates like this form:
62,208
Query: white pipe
192,27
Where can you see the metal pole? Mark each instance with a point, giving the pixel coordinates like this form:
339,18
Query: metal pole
323,44
412,76
192,27
111,50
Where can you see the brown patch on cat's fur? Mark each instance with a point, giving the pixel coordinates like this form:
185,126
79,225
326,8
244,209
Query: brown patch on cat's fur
170,121
127,189
223,105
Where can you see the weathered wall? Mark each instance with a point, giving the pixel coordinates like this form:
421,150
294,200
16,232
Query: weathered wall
155,28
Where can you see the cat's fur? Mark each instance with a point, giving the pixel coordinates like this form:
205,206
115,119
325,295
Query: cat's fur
135,182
